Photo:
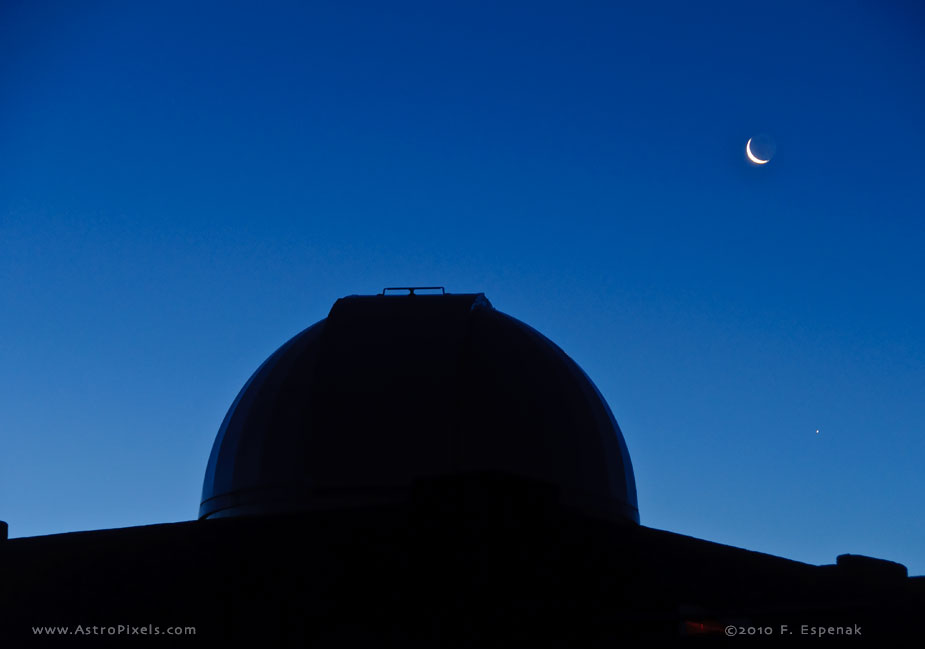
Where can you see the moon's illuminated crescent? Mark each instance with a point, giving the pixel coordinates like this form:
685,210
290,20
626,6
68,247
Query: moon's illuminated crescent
752,156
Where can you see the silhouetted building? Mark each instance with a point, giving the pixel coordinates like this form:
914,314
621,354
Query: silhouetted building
388,391
426,471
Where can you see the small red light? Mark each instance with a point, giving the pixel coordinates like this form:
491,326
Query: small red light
696,628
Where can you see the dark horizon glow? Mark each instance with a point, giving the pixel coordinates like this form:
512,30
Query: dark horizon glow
184,188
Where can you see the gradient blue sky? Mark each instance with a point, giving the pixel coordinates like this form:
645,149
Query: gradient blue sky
184,186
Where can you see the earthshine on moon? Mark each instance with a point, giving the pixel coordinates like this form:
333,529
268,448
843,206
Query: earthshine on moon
752,156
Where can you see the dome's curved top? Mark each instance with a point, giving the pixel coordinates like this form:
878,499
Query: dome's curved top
388,390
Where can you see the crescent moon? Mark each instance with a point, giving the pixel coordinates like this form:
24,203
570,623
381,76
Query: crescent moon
752,156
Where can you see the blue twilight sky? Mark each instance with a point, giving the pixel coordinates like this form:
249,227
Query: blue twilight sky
186,185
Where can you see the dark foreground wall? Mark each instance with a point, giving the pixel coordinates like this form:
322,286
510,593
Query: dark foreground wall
484,562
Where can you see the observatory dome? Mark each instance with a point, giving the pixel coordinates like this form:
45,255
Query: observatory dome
392,390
